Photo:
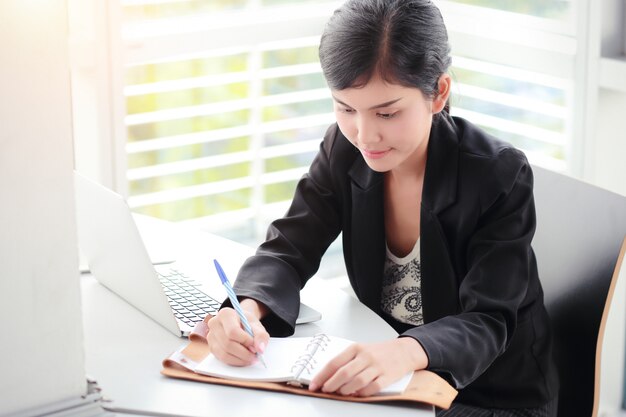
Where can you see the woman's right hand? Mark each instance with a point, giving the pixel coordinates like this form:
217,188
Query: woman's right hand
228,340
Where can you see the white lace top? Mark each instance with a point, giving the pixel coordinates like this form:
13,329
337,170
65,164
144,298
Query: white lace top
402,292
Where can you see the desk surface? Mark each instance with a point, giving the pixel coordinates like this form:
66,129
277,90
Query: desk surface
124,349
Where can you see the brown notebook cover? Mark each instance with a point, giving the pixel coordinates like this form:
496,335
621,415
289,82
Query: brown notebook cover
425,386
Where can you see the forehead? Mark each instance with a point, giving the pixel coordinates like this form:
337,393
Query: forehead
375,92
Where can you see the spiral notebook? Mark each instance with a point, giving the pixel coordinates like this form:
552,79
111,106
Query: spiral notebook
291,364
294,360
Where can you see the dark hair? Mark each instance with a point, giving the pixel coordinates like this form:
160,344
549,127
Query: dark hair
405,42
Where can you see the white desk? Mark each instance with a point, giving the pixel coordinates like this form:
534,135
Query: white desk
124,349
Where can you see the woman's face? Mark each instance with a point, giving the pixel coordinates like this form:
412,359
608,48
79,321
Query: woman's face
390,124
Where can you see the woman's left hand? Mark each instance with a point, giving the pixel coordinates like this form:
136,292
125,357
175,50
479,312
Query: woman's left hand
365,369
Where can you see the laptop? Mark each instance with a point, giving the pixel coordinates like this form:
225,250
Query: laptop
168,293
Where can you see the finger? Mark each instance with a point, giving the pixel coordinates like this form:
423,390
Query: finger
361,381
233,328
234,357
222,343
261,337
345,377
222,348
373,388
216,328
331,367
208,317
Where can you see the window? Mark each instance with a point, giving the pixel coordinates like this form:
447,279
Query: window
514,66
218,106
220,130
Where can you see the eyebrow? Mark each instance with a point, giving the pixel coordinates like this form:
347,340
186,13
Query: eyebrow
377,106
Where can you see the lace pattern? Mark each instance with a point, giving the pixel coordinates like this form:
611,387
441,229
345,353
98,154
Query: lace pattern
402,293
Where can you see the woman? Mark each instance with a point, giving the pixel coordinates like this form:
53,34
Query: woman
437,219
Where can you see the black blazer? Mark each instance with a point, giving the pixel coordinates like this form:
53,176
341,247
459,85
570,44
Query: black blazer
486,329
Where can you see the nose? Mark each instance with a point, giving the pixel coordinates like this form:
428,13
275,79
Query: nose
367,132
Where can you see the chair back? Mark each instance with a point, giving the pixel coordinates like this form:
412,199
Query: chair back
580,232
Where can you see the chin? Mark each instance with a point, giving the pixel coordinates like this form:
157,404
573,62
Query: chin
378,166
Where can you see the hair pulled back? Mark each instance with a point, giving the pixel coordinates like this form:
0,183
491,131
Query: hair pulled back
404,42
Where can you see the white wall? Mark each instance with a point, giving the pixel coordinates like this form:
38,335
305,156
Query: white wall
608,136
40,323
93,96
610,141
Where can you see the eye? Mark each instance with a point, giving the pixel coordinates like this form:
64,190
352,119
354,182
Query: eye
387,116
347,110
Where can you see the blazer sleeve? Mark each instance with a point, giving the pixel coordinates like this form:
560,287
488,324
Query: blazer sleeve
294,245
493,290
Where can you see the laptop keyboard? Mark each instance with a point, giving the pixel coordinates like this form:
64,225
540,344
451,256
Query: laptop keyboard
190,305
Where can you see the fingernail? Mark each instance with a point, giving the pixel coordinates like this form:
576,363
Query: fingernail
313,386
261,347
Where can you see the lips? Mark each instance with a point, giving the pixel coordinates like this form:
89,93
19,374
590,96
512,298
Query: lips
373,154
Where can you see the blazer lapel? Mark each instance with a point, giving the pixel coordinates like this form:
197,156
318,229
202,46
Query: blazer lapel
439,282
442,165
368,226
368,233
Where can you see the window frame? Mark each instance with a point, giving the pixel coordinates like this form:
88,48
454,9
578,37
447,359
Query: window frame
101,142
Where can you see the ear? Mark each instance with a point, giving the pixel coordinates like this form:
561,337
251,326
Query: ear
443,93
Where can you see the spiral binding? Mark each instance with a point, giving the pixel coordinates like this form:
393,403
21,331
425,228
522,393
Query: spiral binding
306,362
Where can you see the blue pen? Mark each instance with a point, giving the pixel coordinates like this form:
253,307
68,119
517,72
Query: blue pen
235,303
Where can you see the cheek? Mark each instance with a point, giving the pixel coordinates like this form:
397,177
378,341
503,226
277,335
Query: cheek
413,126
346,125
394,131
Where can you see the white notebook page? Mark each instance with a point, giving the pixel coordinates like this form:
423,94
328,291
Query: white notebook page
280,357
